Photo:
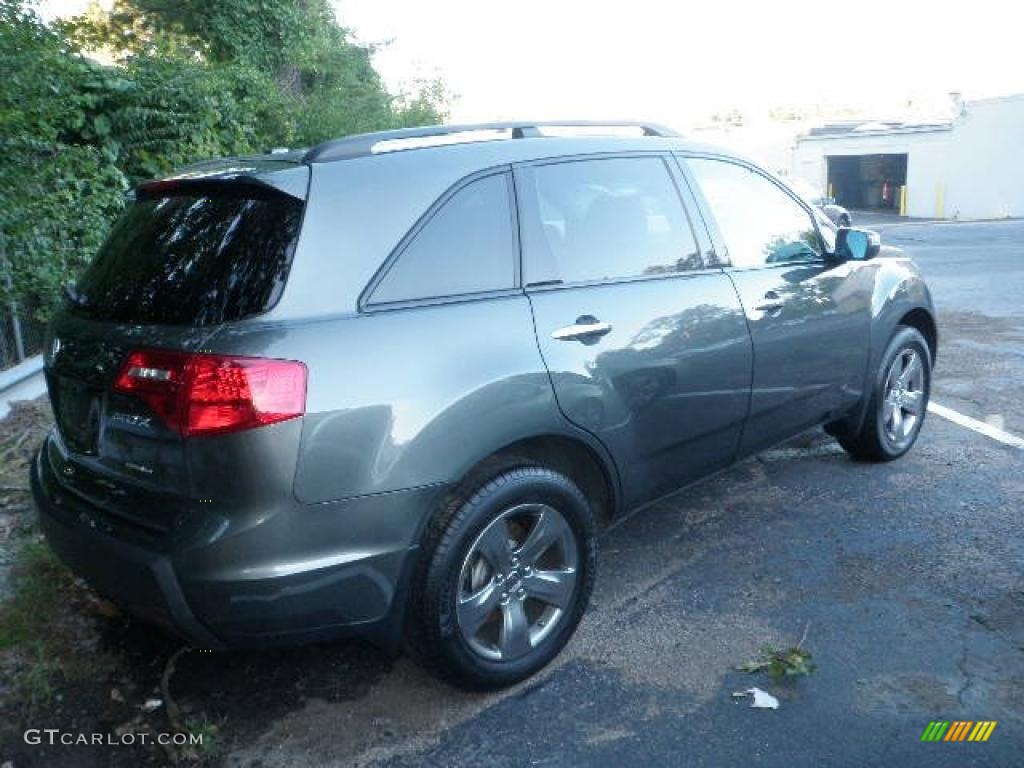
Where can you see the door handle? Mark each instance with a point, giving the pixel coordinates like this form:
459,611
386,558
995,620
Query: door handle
585,329
772,304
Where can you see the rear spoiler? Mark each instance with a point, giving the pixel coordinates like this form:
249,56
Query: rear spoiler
292,181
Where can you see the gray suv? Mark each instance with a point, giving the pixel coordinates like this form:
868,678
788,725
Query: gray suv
393,386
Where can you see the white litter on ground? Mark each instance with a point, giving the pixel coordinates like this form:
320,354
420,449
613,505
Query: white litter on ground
761,699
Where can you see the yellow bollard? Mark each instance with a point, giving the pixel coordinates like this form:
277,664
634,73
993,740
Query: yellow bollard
903,200
940,201
830,190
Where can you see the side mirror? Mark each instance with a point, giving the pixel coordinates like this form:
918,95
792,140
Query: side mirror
857,244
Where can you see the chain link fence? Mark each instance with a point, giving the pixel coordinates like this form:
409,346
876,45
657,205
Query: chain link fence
21,335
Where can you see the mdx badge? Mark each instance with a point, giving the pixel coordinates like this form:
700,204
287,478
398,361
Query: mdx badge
132,420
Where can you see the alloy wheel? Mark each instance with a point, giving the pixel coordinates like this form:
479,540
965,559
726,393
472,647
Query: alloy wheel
517,582
904,401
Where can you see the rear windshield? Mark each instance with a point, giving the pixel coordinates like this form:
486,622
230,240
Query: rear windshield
193,259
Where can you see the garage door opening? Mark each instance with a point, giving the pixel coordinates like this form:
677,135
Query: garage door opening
867,182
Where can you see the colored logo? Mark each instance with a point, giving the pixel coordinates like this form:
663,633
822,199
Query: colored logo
958,730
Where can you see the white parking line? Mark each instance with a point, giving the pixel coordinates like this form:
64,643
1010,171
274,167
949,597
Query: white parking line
978,426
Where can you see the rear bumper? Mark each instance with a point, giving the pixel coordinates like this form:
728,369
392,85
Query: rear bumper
140,581
298,574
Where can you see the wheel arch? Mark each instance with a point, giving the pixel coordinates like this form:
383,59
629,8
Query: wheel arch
585,464
900,298
923,321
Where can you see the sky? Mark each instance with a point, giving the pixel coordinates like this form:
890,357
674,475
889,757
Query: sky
679,62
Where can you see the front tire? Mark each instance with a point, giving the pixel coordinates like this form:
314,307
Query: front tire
506,576
899,400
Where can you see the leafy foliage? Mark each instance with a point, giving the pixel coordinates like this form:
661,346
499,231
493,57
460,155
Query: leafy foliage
176,112
328,82
191,79
58,173
779,664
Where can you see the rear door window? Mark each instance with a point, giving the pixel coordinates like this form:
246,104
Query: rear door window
604,219
193,259
468,246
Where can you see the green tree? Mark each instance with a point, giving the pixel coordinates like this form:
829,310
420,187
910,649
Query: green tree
328,80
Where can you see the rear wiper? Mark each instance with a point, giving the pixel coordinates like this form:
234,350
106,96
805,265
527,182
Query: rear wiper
72,295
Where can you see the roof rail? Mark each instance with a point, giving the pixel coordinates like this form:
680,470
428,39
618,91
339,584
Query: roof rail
363,144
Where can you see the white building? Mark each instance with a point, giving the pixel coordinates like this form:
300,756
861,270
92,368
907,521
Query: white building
967,167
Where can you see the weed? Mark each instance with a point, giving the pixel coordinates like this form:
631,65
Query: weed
794,661
40,588
32,685
204,738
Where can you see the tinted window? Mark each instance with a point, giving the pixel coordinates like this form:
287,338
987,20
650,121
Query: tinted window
468,246
192,260
604,219
760,223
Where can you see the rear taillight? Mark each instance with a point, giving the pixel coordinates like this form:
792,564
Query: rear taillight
211,394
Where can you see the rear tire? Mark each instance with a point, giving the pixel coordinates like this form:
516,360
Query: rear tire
505,577
899,401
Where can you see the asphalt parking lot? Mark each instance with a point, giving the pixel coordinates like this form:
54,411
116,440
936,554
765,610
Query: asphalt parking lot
908,579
